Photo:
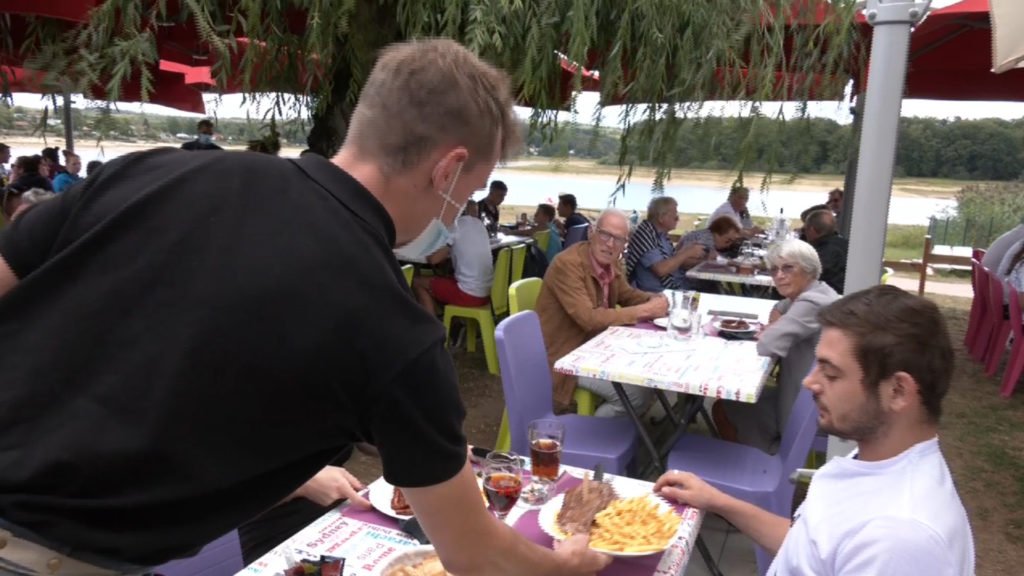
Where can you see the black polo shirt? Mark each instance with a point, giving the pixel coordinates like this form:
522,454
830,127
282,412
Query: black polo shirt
193,337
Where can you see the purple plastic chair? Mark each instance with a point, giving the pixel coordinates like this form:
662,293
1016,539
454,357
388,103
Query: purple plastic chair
575,234
748,473
526,380
222,557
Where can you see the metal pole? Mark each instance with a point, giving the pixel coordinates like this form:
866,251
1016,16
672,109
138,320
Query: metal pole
890,46
69,130
850,179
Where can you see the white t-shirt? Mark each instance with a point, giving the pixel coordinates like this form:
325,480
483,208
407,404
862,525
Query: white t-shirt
898,516
726,210
471,255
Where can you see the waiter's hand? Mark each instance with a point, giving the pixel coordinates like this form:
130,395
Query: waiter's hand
332,484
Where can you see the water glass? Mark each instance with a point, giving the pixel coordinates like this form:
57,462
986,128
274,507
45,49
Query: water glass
503,482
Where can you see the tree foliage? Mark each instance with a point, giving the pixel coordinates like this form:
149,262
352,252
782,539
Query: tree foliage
663,58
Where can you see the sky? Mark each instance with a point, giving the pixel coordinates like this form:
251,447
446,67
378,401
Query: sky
231,106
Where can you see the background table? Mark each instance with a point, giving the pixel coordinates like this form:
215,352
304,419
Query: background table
368,539
759,284
706,366
497,243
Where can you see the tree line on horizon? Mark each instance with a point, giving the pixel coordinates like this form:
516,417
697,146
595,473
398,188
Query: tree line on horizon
986,149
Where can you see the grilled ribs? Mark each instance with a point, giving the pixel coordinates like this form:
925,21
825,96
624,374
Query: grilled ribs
581,504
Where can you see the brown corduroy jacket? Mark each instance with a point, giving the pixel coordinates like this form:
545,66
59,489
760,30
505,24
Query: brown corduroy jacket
571,311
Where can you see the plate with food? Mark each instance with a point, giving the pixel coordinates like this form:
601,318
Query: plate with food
391,501
418,561
626,524
735,325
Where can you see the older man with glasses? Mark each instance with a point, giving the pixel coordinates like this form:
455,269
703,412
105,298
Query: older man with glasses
578,300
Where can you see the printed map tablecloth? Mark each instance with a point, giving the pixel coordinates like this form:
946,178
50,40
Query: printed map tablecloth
719,273
710,367
368,540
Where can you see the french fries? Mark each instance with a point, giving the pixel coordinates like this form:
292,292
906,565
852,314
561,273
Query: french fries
633,525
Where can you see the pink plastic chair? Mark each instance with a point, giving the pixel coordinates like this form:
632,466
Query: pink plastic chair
1015,365
1000,326
978,304
978,346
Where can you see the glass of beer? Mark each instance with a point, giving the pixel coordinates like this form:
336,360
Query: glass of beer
546,438
503,482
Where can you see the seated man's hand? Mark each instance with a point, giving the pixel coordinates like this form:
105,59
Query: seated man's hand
687,488
656,307
576,550
332,484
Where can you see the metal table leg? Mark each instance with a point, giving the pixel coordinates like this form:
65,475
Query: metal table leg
644,436
709,560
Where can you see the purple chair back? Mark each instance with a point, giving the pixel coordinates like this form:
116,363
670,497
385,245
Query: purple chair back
575,234
525,374
222,557
799,435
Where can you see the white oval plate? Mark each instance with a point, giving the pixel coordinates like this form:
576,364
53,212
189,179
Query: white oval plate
547,518
754,325
409,557
380,497
661,322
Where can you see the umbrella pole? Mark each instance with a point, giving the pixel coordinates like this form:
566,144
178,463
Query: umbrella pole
69,130
850,177
890,46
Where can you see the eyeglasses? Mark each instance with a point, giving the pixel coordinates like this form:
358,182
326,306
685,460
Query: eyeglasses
607,237
786,269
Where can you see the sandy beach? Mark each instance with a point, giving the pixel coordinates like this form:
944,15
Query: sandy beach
551,168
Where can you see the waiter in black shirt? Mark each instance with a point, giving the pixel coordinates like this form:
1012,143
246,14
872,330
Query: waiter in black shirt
490,206
189,338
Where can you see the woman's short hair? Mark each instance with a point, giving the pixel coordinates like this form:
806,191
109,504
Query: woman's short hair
796,252
723,225
36,195
660,206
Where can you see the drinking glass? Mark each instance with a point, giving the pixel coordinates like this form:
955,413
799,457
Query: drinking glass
503,482
546,440
680,312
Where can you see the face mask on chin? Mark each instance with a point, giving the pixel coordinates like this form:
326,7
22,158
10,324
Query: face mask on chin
205,138
436,234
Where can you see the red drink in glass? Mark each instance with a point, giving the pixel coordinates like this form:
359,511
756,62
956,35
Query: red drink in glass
502,490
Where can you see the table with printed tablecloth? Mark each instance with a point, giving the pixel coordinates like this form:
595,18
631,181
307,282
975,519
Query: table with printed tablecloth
699,366
369,540
726,275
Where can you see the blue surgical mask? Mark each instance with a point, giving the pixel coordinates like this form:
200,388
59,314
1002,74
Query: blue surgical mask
205,138
436,234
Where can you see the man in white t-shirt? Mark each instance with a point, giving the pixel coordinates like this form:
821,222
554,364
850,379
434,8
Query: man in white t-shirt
735,207
884,365
470,251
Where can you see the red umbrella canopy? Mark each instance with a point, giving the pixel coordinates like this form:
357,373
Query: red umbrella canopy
951,57
170,88
73,10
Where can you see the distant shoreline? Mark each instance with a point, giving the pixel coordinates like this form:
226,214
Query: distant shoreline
568,168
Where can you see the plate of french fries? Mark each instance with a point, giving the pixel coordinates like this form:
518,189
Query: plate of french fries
632,525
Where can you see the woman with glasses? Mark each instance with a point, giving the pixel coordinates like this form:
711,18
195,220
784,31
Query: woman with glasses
791,336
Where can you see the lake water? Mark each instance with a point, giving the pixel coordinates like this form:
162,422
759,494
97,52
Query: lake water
532,188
